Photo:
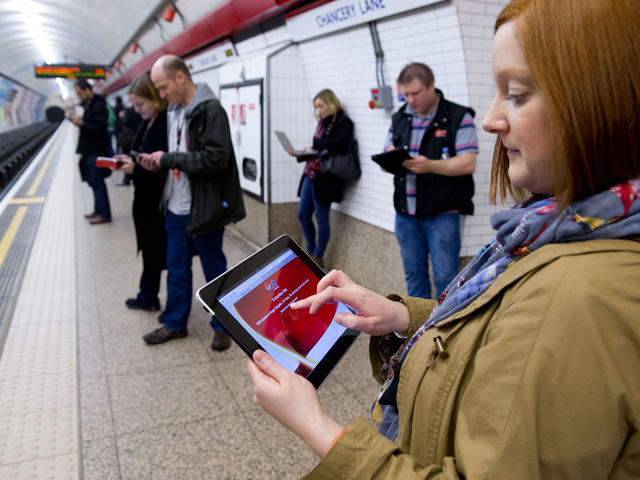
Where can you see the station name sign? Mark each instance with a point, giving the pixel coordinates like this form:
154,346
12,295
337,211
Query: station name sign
70,71
341,14
212,58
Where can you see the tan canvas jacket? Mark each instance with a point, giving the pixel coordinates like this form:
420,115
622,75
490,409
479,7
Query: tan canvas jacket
542,381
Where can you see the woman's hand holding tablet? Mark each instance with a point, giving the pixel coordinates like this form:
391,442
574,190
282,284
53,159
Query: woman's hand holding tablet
293,401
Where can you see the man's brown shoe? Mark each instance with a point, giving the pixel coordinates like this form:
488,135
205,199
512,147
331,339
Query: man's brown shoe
162,335
221,341
91,215
98,220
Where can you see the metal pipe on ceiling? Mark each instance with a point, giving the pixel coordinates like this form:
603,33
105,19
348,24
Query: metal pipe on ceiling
149,22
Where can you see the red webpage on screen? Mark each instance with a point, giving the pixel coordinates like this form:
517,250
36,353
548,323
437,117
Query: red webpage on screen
266,309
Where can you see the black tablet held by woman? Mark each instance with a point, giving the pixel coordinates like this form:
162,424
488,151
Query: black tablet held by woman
251,302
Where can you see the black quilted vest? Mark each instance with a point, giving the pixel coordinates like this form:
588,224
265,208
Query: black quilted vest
434,193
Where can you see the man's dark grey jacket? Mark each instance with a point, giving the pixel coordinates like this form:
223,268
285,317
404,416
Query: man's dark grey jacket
216,196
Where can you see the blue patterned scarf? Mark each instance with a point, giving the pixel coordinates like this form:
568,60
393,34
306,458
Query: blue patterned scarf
521,230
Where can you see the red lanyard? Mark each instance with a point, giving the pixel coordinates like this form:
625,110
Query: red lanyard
176,173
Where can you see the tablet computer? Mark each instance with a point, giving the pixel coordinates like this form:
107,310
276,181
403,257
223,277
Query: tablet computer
251,302
392,160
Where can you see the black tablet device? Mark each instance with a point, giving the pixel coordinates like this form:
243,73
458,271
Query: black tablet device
251,302
392,160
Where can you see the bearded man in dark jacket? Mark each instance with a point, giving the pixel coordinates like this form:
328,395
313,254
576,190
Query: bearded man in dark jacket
92,143
202,194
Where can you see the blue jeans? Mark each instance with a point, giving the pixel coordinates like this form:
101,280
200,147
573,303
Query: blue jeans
110,140
180,250
308,204
440,236
95,179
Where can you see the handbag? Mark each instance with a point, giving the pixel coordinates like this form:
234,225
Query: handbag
345,166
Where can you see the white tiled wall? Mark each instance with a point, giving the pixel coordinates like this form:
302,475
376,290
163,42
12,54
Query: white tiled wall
345,62
211,78
292,113
264,40
477,18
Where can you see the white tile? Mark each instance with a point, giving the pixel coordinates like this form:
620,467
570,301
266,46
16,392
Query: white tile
431,35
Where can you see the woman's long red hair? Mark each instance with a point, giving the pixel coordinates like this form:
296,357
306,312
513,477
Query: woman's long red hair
585,57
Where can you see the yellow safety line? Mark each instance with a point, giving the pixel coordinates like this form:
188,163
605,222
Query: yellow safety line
42,171
10,234
24,201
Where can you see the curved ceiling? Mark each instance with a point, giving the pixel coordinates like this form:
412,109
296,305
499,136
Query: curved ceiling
98,31
87,31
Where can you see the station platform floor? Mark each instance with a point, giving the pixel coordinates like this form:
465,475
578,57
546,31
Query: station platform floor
83,397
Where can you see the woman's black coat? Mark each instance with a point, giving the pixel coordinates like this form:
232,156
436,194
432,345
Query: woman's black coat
336,138
93,138
149,188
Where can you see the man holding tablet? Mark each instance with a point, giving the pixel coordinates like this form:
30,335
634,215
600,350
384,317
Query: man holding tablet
437,186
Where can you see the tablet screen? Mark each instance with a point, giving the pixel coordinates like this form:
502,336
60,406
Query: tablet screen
295,339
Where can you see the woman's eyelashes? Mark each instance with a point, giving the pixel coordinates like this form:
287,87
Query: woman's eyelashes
516,98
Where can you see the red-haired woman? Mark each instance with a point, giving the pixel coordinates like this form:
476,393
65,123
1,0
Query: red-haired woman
528,366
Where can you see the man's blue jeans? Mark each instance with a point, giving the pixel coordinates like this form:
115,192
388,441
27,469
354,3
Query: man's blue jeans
95,179
308,204
439,236
180,250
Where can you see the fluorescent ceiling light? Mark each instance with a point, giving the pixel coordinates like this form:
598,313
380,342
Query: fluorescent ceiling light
63,89
30,18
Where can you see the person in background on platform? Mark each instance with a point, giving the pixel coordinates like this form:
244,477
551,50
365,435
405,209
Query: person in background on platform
438,186
118,126
147,195
131,121
202,194
334,133
93,143
111,127
528,366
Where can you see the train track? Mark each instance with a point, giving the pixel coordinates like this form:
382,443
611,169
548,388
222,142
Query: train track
18,147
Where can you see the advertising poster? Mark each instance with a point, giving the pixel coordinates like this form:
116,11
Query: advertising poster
18,105
7,94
